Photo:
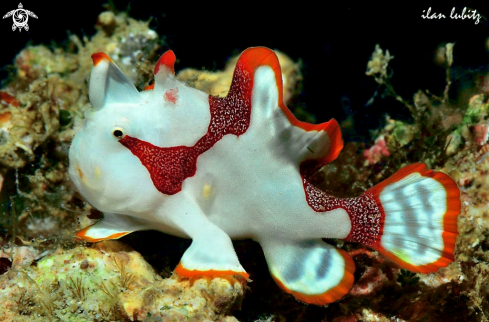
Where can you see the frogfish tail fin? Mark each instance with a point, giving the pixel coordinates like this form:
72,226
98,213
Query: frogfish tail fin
416,222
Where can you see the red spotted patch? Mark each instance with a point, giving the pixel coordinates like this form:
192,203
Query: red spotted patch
366,217
169,167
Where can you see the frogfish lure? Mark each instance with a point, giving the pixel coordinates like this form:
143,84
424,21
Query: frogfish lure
213,169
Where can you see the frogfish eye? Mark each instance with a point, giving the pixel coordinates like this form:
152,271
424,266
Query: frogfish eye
118,133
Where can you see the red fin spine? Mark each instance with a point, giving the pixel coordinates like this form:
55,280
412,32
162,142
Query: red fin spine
167,59
98,57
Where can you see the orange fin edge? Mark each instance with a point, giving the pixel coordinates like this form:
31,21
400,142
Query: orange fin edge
81,235
184,272
334,294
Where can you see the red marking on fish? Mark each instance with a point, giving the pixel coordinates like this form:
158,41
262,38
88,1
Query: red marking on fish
171,95
169,167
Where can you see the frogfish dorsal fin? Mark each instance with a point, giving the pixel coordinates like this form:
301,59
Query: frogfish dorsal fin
320,142
108,84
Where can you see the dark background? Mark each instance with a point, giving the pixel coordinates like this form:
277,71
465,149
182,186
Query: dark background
334,43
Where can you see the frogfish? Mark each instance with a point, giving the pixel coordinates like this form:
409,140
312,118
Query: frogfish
175,159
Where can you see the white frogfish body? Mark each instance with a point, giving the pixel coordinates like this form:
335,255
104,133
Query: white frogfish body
212,169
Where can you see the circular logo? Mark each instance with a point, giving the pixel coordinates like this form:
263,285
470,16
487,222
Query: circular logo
20,17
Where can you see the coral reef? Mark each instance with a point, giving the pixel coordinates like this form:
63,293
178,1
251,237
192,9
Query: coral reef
40,109
107,283
46,275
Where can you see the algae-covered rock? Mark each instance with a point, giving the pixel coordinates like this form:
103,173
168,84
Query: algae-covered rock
474,125
108,283
41,107
48,83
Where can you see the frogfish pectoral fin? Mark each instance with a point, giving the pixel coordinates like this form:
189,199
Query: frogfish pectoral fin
112,226
312,271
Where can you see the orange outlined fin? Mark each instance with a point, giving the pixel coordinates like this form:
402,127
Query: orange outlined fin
419,226
312,271
112,226
321,142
